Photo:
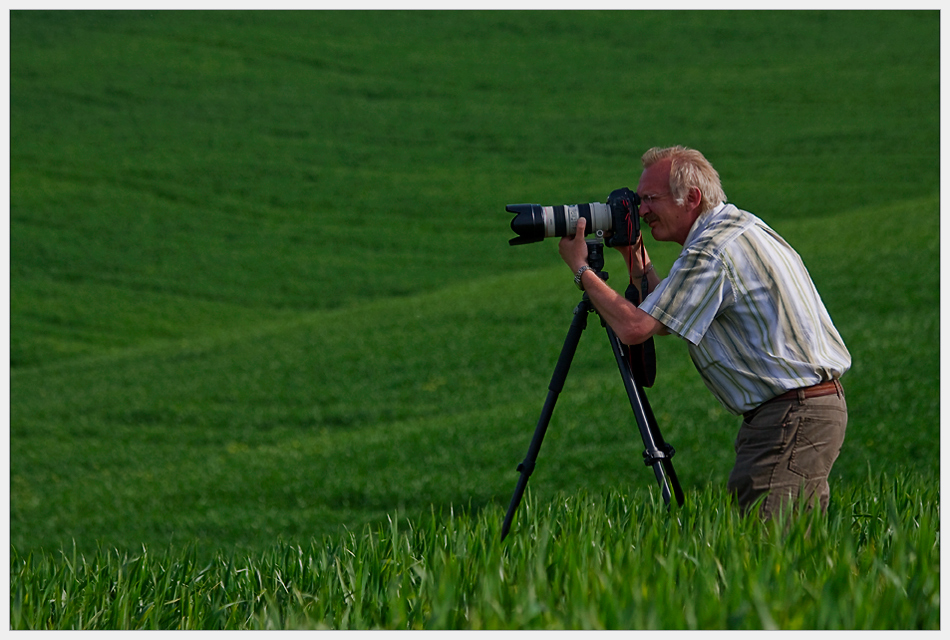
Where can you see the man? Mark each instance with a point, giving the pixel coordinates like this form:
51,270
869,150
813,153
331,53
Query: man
754,323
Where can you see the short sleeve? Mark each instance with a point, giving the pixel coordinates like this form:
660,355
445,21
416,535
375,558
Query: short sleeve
695,292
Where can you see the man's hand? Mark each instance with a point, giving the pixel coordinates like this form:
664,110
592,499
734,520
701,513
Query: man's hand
631,325
574,250
634,255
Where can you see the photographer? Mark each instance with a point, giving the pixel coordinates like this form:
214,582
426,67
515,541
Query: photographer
753,321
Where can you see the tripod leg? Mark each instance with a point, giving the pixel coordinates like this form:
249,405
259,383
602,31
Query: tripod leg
657,453
578,324
661,444
666,449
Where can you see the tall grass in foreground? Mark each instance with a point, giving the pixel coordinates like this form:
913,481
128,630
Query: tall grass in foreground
593,561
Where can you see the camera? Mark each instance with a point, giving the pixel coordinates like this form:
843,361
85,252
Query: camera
617,222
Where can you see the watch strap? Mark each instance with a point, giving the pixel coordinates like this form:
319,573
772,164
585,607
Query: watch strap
577,276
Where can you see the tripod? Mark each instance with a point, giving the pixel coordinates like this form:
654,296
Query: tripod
657,454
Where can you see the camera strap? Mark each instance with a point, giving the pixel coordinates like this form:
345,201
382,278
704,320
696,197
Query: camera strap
641,357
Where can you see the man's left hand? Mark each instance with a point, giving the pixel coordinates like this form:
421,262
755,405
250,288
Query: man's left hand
574,250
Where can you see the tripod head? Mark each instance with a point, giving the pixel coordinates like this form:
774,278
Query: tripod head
595,257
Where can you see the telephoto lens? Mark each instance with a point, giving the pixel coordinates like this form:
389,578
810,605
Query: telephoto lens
617,222
534,222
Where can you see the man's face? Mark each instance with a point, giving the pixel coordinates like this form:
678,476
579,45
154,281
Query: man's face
668,221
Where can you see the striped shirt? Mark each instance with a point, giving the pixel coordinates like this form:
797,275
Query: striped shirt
743,300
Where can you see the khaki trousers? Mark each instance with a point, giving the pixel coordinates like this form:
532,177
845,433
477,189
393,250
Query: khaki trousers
785,449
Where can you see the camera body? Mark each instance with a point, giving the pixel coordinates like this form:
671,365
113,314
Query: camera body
617,222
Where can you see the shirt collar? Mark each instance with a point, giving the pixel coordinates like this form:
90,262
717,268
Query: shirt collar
702,223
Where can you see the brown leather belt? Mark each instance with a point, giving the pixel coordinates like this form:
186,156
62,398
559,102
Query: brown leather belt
831,387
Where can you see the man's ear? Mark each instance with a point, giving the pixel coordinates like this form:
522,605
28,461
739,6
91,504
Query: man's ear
694,197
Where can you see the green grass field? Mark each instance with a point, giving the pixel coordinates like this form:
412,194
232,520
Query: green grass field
262,301
587,561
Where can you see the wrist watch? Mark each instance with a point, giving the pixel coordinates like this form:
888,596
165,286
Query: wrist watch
577,276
